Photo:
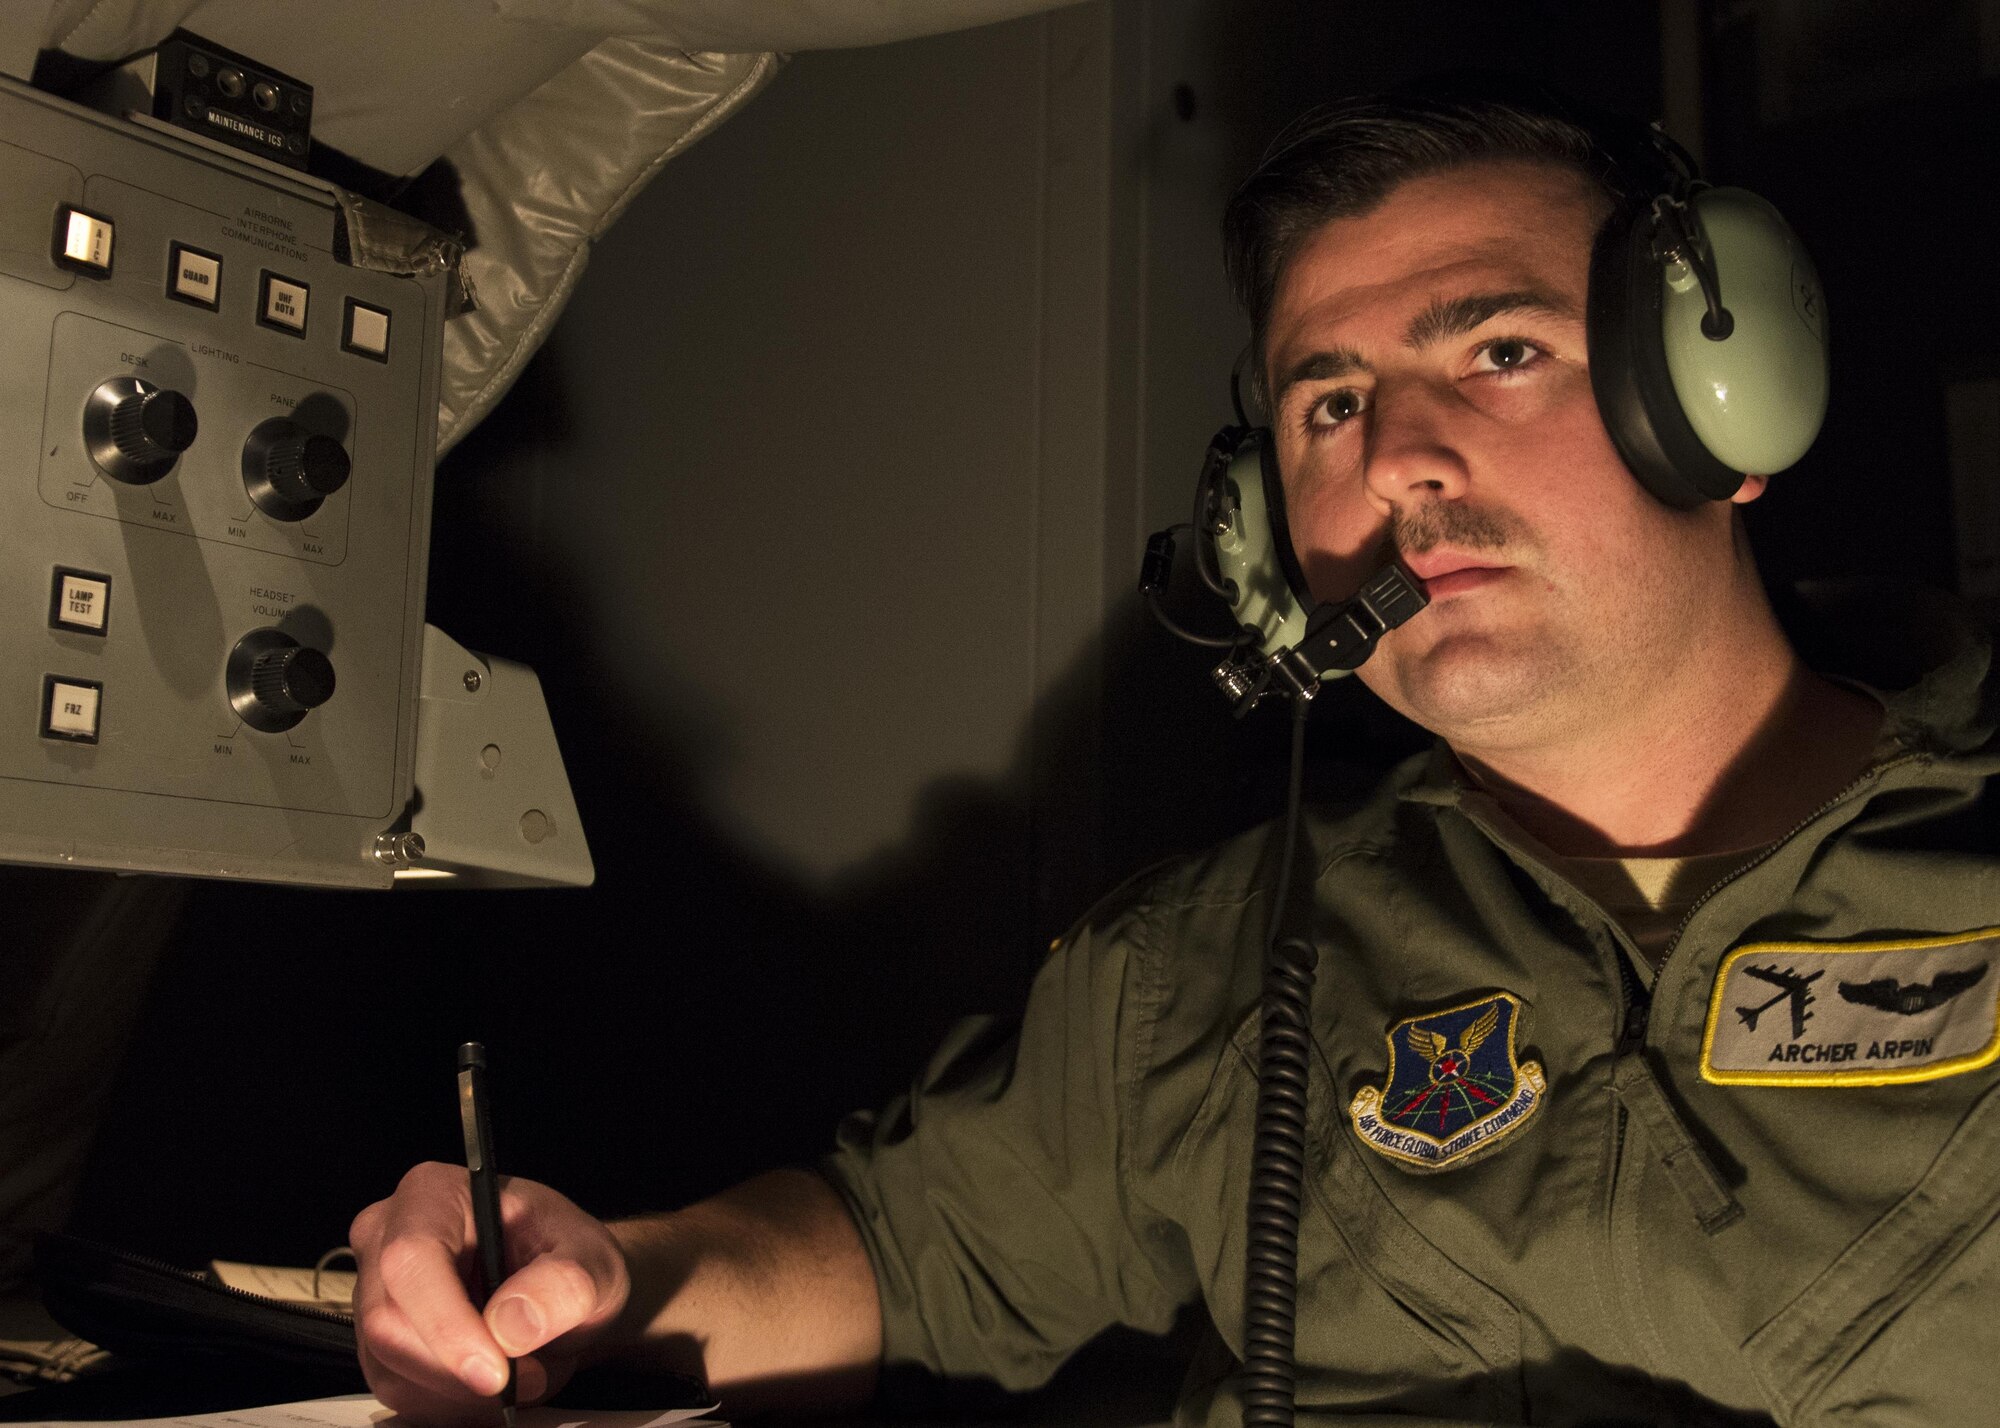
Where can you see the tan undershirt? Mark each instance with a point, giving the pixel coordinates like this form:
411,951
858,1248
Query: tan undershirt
1649,897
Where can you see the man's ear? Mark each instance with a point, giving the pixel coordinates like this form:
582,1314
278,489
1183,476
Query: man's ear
1750,490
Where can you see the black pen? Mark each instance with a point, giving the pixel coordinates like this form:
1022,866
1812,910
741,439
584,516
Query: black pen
473,1106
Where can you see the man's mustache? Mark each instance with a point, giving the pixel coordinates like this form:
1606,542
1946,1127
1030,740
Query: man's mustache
1447,523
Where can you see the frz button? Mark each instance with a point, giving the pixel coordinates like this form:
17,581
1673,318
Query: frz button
80,601
69,709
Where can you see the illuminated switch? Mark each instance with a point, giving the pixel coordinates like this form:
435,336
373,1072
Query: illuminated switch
70,709
367,331
196,277
80,602
83,241
283,305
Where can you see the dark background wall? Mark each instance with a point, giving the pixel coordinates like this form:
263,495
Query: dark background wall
821,319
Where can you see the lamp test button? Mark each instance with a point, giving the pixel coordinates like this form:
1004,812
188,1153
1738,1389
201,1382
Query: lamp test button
80,601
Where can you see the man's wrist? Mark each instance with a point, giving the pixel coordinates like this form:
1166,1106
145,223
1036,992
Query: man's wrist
656,1267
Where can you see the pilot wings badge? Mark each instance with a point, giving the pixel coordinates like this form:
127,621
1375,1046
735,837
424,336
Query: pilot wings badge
1454,1086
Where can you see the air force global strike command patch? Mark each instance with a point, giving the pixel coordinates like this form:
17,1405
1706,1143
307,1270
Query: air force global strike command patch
1854,1013
1454,1087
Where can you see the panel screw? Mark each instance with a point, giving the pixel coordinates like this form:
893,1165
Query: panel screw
398,850
472,681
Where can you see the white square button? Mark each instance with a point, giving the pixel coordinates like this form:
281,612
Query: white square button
84,241
367,330
197,277
284,304
72,710
81,602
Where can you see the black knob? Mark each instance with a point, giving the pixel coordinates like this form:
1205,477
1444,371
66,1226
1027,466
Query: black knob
274,681
289,470
135,431
306,468
294,681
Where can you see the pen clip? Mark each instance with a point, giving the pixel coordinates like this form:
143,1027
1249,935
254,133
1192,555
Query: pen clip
469,1115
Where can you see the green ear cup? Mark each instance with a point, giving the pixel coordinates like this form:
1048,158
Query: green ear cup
1253,547
1689,414
1755,399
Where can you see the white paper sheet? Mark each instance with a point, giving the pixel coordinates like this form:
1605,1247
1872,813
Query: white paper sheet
363,1411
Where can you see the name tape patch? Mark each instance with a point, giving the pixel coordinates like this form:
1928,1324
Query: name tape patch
1854,1013
1454,1086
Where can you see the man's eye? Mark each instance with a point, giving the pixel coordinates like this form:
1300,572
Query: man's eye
1507,354
1336,407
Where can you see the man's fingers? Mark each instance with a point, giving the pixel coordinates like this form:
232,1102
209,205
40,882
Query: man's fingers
396,1359
420,1277
547,1297
422,1340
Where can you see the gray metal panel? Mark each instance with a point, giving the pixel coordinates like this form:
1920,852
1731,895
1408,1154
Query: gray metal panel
176,783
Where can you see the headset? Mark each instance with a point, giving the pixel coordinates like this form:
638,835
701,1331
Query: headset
1707,336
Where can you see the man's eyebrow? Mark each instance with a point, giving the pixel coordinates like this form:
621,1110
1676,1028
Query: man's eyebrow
1453,317
1320,367
1444,318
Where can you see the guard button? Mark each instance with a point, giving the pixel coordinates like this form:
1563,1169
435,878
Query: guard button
283,305
83,241
80,602
367,331
196,277
69,709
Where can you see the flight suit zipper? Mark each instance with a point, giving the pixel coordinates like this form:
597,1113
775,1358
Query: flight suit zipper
1866,777
1639,1092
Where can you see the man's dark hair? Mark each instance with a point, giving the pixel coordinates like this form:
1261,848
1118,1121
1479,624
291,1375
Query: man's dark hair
1341,160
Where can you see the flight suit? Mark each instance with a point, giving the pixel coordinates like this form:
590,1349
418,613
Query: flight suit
1537,1189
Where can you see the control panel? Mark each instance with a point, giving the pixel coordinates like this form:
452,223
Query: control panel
216,440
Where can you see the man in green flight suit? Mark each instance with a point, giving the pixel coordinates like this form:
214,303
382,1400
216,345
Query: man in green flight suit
1655,1020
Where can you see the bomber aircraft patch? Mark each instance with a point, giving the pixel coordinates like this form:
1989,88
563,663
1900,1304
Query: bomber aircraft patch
1454,1086
1854,1013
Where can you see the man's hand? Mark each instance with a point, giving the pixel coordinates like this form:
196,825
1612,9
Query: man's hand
427,1352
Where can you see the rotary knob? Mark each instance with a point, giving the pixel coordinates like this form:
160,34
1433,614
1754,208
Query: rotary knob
288,470
274,681
135,431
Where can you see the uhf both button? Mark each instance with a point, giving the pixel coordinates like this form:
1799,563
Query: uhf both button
274,681
135,431
289,471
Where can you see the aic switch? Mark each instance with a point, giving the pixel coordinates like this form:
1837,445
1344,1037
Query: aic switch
135,431
289,470
274,681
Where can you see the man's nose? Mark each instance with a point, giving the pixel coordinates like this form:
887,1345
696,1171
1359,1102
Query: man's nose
1411,458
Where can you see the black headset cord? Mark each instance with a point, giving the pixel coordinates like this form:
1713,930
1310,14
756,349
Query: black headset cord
1278,1153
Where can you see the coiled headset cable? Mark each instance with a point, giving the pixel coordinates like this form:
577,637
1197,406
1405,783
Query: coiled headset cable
1338,638
1278,1150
